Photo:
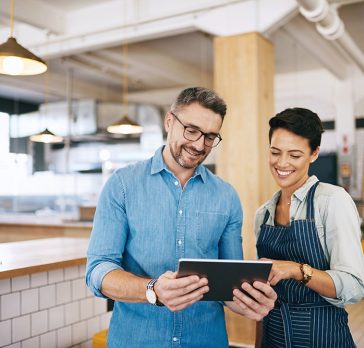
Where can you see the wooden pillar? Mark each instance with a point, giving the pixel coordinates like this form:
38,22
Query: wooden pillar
243,76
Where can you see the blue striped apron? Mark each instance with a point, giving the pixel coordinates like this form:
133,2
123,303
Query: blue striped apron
301,317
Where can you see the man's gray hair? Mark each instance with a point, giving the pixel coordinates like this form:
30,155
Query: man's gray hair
205,97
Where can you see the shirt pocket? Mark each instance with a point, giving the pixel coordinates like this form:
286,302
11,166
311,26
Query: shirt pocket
209,228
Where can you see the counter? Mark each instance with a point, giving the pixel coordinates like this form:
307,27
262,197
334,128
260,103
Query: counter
18,227
44,301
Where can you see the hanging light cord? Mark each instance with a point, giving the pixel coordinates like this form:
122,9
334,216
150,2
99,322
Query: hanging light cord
125,60
125,77
11,18
46,91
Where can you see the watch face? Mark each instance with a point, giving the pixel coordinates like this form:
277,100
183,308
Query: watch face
307,270
151,296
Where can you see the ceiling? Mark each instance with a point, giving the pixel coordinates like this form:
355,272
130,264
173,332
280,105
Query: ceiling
84,43
70,5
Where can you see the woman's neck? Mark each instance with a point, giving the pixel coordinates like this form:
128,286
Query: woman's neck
286,193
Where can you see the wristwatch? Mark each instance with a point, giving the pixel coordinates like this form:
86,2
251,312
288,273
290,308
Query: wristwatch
307,272
151,295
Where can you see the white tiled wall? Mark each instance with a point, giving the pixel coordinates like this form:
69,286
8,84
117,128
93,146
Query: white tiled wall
50,309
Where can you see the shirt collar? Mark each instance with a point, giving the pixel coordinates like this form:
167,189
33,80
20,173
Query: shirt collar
157,162
299,194
302,192
159,165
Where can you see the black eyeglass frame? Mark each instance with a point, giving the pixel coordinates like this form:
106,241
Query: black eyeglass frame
218,136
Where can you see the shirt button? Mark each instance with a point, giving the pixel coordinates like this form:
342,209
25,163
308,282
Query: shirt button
180,212
179,242
175,339
176,183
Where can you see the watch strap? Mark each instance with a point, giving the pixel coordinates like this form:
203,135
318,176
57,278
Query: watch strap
306,277
151,283
150,286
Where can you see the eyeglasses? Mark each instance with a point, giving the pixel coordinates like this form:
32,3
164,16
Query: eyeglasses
194,134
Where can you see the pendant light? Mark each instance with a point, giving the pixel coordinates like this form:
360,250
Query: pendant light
125,125
15,59
46,136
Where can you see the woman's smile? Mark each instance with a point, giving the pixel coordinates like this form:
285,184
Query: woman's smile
283,173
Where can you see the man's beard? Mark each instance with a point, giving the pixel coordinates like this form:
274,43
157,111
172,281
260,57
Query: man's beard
178,156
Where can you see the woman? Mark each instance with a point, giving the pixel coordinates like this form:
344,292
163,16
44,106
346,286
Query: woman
311,232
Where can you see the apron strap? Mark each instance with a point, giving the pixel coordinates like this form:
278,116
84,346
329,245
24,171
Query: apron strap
310,214
287,324
266,216
286,316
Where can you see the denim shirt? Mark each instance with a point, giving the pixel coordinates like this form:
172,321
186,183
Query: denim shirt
338,227
144,223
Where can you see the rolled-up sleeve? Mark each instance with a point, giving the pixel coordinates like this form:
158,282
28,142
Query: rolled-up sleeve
108,236
342,234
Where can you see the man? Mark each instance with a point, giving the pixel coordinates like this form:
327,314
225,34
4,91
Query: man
157,211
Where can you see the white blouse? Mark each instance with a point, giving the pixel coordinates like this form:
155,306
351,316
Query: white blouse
338,226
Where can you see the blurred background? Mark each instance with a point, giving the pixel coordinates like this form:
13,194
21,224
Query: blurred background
107,59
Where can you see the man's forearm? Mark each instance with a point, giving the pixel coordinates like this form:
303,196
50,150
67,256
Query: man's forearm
123,286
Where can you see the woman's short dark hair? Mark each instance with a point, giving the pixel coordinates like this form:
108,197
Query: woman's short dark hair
203,96
299,121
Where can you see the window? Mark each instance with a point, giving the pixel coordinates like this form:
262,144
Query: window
4,134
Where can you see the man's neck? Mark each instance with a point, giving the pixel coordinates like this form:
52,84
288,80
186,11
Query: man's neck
182,174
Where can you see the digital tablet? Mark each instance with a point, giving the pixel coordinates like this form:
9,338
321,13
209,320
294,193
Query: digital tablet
224,275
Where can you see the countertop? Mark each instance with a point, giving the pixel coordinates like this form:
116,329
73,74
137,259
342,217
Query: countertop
25,257
34,220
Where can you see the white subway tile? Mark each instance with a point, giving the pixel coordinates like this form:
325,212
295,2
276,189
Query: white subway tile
87,344
4,286
20,283
55,276
38,279
64,337
71,273
89,292
63,292
79,332
100,305
48,340
56,317
47,296
20,328
72,313
82,271
78,289
29,301
86,308
105,320
5,332
10,305
15,345
93,327
31,343
39,322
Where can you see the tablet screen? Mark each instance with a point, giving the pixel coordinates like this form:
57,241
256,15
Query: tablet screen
224,275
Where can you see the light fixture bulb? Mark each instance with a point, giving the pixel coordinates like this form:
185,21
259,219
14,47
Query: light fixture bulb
124,129
125,126
13,65
46,137
17,60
